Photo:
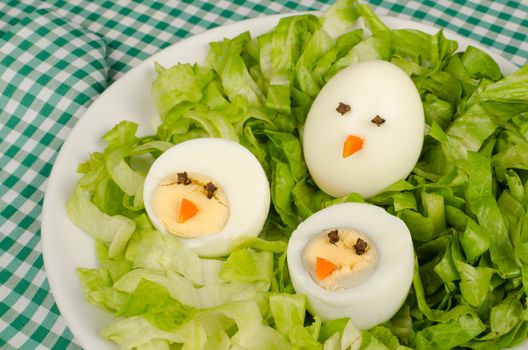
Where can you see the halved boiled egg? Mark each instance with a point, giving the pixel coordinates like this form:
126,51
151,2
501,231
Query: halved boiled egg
209,192
352,260
364,130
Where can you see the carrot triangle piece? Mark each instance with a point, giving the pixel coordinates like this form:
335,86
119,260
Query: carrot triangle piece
187,210
323,268
352,145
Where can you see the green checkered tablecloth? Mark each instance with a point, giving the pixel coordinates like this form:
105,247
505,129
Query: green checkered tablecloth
57,56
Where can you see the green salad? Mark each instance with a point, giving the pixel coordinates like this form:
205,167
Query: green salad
465,203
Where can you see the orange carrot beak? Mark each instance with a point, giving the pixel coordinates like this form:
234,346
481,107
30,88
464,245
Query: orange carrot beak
187,210
352,145
323,268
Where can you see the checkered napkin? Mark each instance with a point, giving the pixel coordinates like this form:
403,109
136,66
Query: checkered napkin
57,56
49,70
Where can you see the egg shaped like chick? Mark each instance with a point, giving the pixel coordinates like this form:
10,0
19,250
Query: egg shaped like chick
352,260
209,192
365,130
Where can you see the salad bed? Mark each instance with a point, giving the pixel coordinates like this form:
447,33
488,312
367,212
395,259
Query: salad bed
465,202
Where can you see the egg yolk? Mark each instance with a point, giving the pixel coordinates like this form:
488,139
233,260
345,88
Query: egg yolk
340,258
190,205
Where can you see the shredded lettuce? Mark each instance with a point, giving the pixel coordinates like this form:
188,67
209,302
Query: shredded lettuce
114,230
465,203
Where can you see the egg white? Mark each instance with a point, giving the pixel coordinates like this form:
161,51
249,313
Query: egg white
235,170
390,150
380,296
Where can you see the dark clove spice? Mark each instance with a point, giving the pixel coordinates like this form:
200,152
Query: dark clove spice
360,246
378,120
343,108
210,188
333,236
183,179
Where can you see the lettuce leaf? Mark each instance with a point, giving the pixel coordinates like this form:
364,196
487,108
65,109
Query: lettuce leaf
155,304
113,230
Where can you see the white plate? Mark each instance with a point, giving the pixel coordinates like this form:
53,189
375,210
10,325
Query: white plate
65,247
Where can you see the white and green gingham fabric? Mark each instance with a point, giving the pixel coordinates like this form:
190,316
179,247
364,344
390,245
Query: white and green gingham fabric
57,56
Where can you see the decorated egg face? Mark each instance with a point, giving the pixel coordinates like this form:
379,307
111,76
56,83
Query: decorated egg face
364,130
209,192
352,260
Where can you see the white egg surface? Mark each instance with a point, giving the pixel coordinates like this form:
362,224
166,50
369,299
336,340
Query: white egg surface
377,298
376,104
236,172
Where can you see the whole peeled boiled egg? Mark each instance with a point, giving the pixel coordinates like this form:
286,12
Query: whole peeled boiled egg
364,130
209,192
352,260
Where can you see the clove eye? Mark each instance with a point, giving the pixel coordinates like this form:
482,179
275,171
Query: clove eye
378,120
343,108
